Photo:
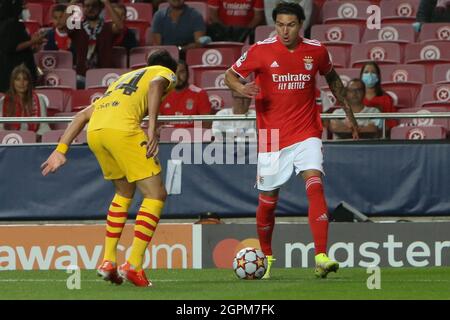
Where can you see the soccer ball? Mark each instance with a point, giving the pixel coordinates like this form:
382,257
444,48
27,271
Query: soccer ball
250,264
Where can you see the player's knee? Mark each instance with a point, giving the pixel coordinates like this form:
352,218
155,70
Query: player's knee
158,194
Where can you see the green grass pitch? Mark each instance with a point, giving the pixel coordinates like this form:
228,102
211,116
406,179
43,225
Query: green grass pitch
220,284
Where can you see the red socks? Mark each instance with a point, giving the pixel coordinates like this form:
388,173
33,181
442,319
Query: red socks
317,213
265,222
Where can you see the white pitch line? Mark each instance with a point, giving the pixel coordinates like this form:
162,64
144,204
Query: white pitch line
273,280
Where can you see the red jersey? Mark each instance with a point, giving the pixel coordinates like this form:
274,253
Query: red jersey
385,104
236,12
189,101
287,98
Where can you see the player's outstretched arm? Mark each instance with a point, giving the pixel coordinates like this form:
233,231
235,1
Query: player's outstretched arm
249,90
338,90
58,157
158,87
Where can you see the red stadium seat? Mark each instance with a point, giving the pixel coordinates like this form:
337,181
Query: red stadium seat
382,53
397,33
17,137
120,57
428,54
418,133
60,78
102,77
201,7
235,46
443,122
434,95
185,134
346,74
338,56
434,31
336,34
54,99
140,29
345,12
399,11
139,11
49,60
263,32
213,79
403,96
84,98
196,71
32,27
219,98
211,57
408,76
441,73
139,55
36,12
54,136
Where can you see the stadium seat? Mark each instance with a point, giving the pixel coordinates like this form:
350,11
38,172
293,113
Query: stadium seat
399,11
17,137
211,57
213,79
382,53
219,98
53,136
403,96
57,126
408,76
196,71
60,78
54,99
346,74
185,134
48,60
336,34
139,11
428,54
418,133
139,55
102,77
84,98
36,12
434,31
140,29
200,6
120,57
434,95
441,73
235,46
443,122
263,32
339,56
32,27
345,12
397,33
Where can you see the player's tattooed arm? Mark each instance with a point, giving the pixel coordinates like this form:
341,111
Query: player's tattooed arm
338,90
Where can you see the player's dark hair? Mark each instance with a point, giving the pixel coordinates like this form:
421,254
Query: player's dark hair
163,58
289,8
378,90
61,7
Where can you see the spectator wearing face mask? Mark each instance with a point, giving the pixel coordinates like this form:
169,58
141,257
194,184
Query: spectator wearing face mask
375,96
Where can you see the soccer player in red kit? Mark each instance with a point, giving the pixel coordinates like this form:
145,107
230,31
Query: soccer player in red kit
288,121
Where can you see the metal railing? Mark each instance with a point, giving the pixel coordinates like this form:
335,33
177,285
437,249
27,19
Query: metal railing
324,116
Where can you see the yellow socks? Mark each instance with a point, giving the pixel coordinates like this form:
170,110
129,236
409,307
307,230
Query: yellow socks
117,216
146,221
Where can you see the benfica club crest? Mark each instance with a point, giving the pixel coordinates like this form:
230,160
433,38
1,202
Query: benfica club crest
308,62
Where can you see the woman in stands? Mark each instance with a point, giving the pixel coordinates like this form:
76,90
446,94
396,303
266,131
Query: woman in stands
375,96
21,101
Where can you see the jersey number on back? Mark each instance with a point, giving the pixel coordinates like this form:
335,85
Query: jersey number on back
132,86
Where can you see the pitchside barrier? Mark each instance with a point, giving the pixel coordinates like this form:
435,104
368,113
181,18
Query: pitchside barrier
186,246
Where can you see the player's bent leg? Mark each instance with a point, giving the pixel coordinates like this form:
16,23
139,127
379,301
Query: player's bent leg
265,223
147,220
116,219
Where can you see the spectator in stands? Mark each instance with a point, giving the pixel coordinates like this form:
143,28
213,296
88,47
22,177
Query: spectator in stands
127,38
234,20
21,101
94,41
178,25
235,129
368,128
375,96
58,37
432,11
186,99
307,6
17,46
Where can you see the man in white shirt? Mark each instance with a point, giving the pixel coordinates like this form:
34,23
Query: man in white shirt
368,128
235,130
